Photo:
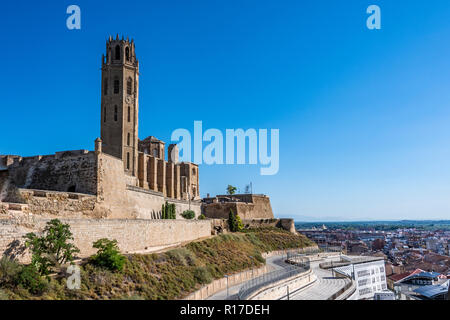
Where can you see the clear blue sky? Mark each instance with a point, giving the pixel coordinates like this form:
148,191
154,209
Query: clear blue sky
364,116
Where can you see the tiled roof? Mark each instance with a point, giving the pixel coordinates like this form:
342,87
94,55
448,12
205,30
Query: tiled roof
401,276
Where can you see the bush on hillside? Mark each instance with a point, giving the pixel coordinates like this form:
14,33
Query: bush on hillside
108,255
53,248
29,278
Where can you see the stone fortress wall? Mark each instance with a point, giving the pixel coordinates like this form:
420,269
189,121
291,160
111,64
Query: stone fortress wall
133,235
82,183
247,206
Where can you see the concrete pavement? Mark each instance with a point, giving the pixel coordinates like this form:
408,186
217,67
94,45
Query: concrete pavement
324,287
274,262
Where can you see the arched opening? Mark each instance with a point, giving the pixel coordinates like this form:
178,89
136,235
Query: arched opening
104,114
117,52
127,53
72,189
128,139
115,113
129,114
128,161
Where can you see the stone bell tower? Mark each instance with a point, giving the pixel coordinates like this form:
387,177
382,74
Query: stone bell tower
119,102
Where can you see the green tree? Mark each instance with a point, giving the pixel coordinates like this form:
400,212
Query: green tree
239,225
232,221
168,211
231,190
52,248
108,255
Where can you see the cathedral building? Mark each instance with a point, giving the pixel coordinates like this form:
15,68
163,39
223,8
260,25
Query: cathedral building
129,177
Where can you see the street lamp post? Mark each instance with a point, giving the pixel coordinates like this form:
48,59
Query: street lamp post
226,276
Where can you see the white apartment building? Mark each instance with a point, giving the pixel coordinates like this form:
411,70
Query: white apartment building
368,273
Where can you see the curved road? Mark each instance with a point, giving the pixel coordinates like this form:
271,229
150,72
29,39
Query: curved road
275,263
324,287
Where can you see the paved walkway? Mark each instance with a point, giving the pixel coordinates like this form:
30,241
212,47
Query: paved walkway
275,263
324,287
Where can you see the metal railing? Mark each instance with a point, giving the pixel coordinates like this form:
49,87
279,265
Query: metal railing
300,266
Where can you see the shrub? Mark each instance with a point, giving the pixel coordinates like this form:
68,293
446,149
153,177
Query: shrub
239,225
30,278
202,275
108,255
201,217
234,222
52,248
188,214
182,256
8,270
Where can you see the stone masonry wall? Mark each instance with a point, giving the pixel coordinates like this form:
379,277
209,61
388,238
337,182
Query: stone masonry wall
61,204
249,207
73,171
120,198
132,235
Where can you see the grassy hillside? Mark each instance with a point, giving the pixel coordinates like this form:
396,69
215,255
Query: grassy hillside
169,275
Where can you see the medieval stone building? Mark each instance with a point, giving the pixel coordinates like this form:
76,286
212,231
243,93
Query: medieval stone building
129,177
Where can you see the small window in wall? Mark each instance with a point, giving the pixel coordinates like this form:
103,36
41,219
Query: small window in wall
105,87
129,86
128,161
129,113
115,113
193,171
117,52
128,138
116,86
155,153
72,189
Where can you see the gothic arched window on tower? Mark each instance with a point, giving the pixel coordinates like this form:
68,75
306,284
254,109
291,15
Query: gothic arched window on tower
115,113
129,86
116,85
128,161
127,53
105,87
129,114
128,139
117,52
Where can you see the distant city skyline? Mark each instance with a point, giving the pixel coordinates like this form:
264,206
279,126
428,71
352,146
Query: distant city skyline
363,115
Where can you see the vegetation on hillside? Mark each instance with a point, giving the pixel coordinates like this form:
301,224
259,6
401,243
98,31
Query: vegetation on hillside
169,275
